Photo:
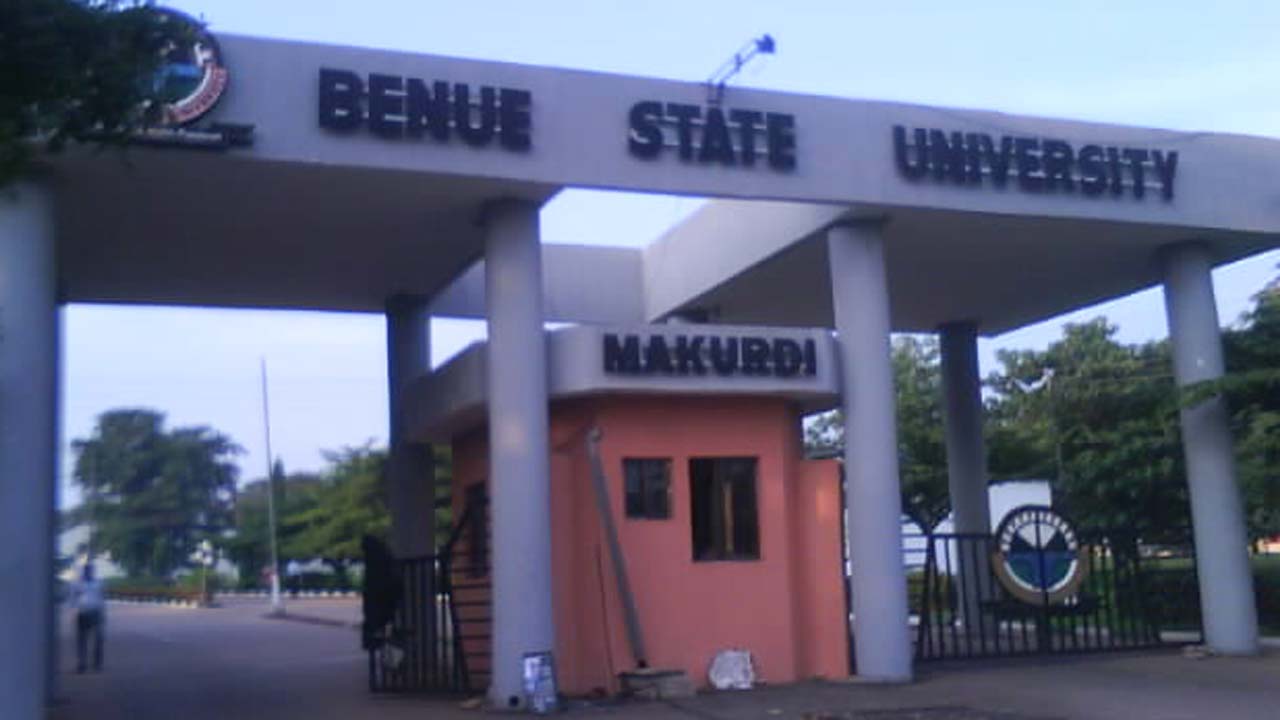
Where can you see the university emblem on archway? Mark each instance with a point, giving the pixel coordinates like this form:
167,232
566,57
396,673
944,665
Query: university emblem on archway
192,77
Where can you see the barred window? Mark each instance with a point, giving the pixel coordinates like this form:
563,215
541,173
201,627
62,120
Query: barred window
648,487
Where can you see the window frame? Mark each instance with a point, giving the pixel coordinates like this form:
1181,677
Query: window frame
646,492
724,508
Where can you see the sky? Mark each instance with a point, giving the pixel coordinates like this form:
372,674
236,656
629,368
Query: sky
1192,66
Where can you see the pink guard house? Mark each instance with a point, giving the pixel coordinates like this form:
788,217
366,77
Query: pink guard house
730,538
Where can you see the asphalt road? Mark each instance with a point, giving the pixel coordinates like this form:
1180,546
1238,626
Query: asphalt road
225,662
232,662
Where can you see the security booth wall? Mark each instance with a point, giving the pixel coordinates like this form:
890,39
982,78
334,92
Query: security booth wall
702,582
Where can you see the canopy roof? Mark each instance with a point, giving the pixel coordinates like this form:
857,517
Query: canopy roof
310,217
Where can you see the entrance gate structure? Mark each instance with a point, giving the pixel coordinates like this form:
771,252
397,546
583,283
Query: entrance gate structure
314,184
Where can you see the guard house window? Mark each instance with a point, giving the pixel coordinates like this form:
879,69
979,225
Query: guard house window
648,486
726,525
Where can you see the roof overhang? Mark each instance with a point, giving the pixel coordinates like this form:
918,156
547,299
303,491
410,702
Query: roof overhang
309,217
766,263
453,399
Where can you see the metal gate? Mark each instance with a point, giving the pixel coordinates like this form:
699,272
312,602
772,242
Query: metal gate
417,649
979,595
413,633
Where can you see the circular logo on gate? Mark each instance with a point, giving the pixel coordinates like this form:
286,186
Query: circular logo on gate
1037,556
191,77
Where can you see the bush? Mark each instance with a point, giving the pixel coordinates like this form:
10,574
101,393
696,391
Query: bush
1266,587
1173,594
316,581
214,582
149,589
941,590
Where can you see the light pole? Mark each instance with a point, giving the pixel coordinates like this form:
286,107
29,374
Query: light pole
277,604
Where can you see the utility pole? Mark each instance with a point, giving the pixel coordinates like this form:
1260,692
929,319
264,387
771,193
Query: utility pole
277,605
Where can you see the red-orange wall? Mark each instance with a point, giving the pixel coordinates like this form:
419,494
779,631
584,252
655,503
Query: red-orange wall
786,607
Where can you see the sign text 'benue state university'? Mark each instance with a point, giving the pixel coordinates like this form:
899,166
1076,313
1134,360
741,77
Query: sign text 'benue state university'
1041,165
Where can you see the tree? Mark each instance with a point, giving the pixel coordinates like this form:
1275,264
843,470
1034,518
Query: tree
921,449
75,71
153,494
1100,419
249,545
350,503
1252,389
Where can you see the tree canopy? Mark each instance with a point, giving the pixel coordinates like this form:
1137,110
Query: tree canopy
1099,419
249,546
77,71
152,494
921,447
320,515
1252,388
351,502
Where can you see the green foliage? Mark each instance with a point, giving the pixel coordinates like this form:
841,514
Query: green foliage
151,588
941,598
922,453
443,478
1098,417
76,71
324,516
153,494
921,448
1252,389
191,581
1172,594
249,546
351,503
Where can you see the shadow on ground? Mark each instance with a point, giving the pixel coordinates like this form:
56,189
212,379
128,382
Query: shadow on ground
233,662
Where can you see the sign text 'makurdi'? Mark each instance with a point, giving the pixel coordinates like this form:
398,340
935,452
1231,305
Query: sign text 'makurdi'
709,354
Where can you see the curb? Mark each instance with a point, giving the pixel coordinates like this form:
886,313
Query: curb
312,620
286,593
154,601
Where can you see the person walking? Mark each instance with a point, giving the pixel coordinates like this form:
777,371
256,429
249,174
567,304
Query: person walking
87,598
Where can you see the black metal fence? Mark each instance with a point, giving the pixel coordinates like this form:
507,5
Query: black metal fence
1095,598
418,649
437,637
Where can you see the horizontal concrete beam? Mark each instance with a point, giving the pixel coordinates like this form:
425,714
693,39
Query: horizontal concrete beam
580,284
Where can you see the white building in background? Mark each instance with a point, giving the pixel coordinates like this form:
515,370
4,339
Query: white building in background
73,543
1002,497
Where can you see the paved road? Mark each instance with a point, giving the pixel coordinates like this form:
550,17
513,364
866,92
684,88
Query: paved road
226,662
232,662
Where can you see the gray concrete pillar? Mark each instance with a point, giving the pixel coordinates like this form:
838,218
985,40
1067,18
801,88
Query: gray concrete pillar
1217,512
962,420
28,445
873,504
966,460
519,463
410,466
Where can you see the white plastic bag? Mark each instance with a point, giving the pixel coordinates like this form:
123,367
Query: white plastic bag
732,670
